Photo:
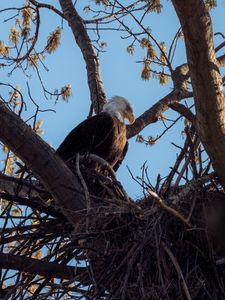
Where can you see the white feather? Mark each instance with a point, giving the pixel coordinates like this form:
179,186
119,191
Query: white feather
118,107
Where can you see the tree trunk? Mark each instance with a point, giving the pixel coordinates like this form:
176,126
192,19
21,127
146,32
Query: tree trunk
206,79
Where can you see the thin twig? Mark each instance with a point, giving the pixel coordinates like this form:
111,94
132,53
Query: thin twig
178,269
169,209
86,192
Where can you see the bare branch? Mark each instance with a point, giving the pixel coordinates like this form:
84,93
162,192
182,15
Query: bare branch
14,185
178,269
48,6
169,209
153,114
184,111
37,267
98,97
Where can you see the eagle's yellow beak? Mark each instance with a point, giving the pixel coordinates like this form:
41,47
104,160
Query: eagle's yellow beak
131,118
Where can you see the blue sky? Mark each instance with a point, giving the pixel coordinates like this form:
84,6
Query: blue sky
121,75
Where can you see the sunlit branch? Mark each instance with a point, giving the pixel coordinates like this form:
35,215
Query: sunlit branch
154,113
98,97
48,6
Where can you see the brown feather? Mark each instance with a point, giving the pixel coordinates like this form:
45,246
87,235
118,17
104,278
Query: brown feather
103,135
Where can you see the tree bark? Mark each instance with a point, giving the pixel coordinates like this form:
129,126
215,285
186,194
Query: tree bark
154,113
98,97
206,79
38,267
38,156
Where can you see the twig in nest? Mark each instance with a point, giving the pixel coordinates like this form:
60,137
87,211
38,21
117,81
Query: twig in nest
220,261
169,209
191,186
122,191
178,269
169,179
181,173
86,192
105,187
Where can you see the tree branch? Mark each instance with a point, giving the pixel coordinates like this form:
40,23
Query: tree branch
206,79
154,113
48,6
184,111
32,202
38,267
179,76
13,186
38,156
98,97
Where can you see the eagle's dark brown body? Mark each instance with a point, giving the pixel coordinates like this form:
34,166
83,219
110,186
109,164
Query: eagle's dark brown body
103,135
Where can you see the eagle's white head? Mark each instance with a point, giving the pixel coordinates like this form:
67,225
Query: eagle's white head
120,108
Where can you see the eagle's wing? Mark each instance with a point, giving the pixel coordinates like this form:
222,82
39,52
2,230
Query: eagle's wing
87,137
119,162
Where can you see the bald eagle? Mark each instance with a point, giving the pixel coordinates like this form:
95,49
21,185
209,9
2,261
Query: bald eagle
103,135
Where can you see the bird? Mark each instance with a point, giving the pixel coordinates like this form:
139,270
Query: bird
103,135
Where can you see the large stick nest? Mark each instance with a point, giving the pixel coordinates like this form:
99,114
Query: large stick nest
157,248
164,246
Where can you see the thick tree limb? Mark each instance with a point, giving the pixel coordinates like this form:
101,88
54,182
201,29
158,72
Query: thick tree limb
180,76
38,267
98,97
154,113
16,186
206,79
33,202
26,193
63,185
46,229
